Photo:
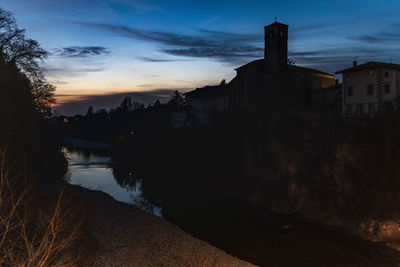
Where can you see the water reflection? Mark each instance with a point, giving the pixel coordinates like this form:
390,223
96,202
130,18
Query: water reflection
95,171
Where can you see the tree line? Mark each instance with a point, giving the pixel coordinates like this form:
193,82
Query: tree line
34,231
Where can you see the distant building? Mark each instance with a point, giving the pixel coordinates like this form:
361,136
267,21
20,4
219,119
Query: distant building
370,88
206,102
271,84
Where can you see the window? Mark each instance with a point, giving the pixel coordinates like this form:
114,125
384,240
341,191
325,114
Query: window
387,88
360,108
386,74
350,91
370,73
371,108
370,89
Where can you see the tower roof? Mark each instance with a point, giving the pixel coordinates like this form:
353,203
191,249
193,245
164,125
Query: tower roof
277,24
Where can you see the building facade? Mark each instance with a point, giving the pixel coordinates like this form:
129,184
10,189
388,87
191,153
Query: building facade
206,102
370,88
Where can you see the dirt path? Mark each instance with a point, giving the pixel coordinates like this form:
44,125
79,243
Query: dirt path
127,236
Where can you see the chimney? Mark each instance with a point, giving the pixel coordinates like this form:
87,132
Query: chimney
354,64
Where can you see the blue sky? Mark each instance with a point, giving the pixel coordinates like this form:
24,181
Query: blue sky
102,50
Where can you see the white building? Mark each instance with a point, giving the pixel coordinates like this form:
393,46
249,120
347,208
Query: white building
206,102
370,88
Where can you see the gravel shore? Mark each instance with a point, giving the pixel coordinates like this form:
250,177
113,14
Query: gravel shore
127,236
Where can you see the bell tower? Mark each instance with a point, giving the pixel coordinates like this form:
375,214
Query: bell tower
276,41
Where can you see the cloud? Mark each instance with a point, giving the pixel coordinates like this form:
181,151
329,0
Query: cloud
81,51
226,54
223,46
341,56
312,27
148,59
337,51
166,38
382,37
69,71
229,36
78,104
58,82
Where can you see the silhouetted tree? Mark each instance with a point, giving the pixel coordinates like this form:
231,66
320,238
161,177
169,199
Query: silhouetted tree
137,105
223,82
157,103
177,100
43,96
291,62
126,104
26,55
24,97
90,112
101,114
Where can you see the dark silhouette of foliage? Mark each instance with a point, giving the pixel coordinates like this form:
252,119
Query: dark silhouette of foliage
89,112
291,62
26,55
177,100
157,103
16,49
126,104
25,97
43,95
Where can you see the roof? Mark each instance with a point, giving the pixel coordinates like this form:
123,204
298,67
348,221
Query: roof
209,91
252,64
304,69
371,65
262,63
278,24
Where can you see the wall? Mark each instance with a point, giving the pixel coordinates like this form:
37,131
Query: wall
204,108
359,80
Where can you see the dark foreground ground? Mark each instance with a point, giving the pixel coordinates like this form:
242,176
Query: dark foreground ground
270,239
127,236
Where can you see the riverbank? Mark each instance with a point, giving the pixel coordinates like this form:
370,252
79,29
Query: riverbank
127,236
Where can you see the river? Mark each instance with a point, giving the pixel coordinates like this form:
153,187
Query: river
95,171
245,230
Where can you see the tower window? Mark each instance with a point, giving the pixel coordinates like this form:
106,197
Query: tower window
281,33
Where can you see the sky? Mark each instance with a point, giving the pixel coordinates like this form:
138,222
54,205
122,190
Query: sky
103,50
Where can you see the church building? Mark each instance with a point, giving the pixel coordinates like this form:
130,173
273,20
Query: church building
273,83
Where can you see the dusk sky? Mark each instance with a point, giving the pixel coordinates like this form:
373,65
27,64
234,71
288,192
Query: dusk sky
102,50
